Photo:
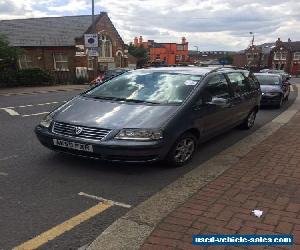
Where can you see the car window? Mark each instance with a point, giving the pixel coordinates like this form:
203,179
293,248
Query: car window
253,82
217,86
238,82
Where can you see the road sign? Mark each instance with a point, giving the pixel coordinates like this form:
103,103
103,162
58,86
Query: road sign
91,40
93,51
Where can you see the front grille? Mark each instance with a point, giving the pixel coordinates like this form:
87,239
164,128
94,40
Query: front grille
85,132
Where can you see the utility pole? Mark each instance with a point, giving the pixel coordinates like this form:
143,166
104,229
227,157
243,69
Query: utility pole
95,66
93,17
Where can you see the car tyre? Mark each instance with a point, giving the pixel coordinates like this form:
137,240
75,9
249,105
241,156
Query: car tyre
182,151
250,120
279,105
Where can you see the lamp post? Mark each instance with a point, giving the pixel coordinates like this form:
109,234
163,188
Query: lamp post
197,52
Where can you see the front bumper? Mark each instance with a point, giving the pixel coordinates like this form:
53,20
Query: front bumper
111,150
270,100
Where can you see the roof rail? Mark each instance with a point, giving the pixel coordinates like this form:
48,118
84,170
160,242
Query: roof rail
224,67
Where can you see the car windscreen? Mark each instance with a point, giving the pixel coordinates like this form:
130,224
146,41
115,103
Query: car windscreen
268,80
147,86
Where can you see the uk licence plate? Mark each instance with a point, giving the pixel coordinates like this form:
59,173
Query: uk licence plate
73,145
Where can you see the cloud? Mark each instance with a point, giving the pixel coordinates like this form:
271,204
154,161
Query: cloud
209,24
72,6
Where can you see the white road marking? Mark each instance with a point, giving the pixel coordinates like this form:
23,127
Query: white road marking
42,113
105,200
3,174
10,111
292,88
8,157
32,105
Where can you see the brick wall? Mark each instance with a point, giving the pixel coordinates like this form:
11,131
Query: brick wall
42,57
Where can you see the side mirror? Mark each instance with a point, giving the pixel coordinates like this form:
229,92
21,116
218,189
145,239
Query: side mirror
218,101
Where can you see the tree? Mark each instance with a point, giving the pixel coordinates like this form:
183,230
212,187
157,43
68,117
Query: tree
8,55
140,53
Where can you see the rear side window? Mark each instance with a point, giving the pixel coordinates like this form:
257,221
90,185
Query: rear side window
238,82
253,82
217,86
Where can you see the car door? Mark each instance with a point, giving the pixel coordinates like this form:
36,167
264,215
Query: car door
243,101
213,109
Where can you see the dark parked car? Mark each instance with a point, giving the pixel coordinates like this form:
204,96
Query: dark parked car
152,114
274,89
285,76
111,73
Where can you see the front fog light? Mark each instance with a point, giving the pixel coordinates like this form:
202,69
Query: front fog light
139,134
46,122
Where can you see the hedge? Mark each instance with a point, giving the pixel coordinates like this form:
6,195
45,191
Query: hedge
25,77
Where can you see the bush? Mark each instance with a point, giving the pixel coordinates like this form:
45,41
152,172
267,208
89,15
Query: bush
33,77
25,77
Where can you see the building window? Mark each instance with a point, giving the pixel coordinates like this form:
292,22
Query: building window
283,56
280,55
90,63
277,56
180,47
178,58
157,57
61,62
25,62
105,46
297,56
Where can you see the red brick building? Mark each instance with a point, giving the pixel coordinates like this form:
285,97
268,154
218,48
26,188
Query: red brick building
165,53
255,57
286,56
56,44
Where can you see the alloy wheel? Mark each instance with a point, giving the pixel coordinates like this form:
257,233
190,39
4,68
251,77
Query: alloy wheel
251,119
184,150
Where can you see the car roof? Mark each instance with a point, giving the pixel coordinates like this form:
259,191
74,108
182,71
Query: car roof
267,74
190,70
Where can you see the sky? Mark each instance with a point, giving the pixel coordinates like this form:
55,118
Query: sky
208,24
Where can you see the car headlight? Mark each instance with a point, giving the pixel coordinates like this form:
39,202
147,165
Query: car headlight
139,134
46,121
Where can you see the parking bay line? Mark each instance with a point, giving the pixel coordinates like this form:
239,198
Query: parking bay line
8,157
42,113
32,105
10,111
120,204
60,229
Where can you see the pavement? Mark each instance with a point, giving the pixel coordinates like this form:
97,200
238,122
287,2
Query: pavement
54,201
260,172
41,90
266,179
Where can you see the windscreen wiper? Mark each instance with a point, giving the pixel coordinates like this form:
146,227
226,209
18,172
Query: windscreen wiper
121,99
140,101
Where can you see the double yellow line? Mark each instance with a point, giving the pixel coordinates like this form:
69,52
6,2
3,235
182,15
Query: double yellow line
64,227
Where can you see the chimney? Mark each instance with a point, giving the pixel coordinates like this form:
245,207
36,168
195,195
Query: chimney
141,40
183,40
278,42
136,41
